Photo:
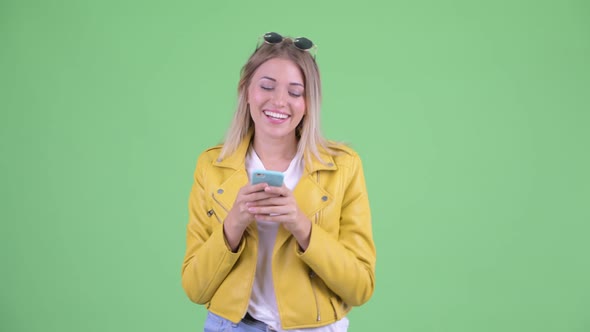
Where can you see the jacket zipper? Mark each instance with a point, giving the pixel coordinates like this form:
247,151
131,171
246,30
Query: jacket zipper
311,273
212,213
315,296
317,214
218,202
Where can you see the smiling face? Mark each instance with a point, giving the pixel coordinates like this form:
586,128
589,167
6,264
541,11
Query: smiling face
276,96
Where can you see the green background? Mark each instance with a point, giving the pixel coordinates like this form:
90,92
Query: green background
471,118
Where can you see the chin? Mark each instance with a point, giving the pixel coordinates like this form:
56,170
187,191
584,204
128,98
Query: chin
276,134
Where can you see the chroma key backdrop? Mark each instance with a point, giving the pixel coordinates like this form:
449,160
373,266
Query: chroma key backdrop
471,118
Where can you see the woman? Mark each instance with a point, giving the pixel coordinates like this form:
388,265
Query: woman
266,258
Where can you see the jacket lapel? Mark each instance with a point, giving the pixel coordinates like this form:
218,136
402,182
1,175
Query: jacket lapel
226,193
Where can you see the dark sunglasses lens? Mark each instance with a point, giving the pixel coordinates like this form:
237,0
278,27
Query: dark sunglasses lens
303,43
273,38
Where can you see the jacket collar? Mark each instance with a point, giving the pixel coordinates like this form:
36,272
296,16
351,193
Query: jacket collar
237,159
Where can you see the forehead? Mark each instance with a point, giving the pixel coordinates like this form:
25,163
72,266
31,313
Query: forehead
280,70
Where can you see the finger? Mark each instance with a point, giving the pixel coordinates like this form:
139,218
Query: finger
265,210
279,218
252,188
258,196
271,201
283,191
268,210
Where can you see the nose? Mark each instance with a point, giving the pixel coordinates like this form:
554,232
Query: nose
279,98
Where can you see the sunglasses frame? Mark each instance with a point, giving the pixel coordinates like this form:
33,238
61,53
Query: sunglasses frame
301,43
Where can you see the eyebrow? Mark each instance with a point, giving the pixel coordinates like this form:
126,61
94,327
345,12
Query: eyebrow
272,79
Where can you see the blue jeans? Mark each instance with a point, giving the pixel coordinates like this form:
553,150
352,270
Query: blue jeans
214,323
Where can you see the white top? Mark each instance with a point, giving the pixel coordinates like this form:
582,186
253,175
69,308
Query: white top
263,304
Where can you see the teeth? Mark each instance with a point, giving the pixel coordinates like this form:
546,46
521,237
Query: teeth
276,115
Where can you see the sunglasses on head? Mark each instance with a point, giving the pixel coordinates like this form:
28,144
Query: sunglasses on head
301,43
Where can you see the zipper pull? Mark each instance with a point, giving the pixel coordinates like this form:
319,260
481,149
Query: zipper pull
210,213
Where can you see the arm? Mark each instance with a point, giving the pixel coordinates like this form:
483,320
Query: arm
208,259
347,263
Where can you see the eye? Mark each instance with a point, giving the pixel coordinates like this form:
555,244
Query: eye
295,94
266,87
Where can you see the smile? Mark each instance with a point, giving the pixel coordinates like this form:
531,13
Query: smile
275,115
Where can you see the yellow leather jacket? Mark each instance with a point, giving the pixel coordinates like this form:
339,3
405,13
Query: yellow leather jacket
313,288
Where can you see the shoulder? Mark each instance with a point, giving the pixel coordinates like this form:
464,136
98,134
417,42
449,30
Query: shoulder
342,148
213,151
343,154
209,155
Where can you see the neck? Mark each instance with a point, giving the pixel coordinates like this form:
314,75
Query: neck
275,154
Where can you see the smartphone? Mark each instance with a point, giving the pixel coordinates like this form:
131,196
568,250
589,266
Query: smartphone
273,178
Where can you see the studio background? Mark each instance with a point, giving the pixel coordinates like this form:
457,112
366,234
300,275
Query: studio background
471,118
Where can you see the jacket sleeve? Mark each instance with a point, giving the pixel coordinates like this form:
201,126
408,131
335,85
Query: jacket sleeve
346,263
208,259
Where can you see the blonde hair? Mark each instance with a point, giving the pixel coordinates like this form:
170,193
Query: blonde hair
308,131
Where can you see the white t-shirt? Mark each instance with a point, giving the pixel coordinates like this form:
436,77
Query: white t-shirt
263,304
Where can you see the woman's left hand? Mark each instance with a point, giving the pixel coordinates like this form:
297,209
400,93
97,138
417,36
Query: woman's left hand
283,208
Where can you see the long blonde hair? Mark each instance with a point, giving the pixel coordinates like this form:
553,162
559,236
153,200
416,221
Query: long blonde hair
308,130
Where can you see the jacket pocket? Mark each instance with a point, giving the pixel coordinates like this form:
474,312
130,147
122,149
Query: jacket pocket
218,208
326,302
211,213
339,307
315,291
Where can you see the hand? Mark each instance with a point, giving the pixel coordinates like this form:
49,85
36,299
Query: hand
282,207
239,217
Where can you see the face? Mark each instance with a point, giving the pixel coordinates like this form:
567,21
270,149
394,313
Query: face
276,98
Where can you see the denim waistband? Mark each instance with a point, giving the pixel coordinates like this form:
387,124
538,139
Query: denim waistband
249,320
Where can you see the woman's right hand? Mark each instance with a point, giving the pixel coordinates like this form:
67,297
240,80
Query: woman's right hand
238,217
